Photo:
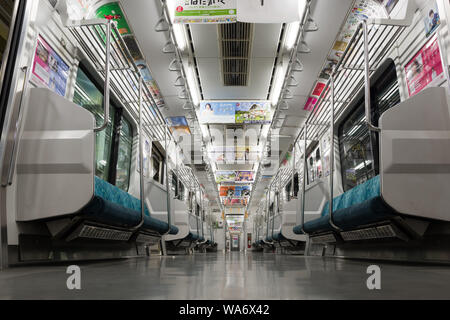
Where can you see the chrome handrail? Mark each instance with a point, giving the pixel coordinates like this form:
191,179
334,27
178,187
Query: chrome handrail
106,92
8,179
368,106
331,221
141,160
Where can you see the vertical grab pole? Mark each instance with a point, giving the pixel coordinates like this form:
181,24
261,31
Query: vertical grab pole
141,157
332,155
305,166
293,172
169,217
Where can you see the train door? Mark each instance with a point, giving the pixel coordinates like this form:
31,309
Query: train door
235,243
12,17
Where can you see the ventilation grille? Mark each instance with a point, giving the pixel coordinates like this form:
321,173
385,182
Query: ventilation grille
90,232
235,40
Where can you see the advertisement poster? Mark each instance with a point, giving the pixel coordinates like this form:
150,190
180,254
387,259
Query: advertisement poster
325,144
178,126
113,11
235,191
253,113
49,70
425,69
234,176
217,112
244,176
432,20
310,103
205,11
225,176
235,202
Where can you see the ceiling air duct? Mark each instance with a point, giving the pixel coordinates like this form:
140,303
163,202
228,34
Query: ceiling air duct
235,41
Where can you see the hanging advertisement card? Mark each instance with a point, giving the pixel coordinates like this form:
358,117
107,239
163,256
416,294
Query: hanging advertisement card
225,176
49,69
426,68
178,126
205,11
244,176
432,20
217,112
253,113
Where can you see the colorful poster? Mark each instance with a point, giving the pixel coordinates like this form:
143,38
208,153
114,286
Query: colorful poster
432,20
253,113
49,70
244,176
178,126
205,11
225,176
113,11
318,89
310,103
217,112
235,191
425,69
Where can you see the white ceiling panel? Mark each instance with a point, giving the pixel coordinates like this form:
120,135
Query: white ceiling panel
212,83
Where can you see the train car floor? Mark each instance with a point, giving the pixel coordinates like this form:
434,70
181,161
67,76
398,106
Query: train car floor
232,276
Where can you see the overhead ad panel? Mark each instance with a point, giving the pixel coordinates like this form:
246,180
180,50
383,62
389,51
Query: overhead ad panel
205,11
232,112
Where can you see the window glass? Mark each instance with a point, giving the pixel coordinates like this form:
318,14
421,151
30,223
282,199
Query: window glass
158,163
124,155
356,155
6,11
314,166
88,96
357,145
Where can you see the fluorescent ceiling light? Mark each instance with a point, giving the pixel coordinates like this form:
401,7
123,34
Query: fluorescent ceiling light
193,85
278,82
292,35
301,8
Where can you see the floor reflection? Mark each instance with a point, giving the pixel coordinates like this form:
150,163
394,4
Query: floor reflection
234,276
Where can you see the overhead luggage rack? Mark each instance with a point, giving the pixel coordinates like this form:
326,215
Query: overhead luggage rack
125,75
349,74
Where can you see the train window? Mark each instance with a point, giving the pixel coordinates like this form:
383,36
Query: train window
358,147
177,187
6,12
89,96
125,150
158,163
296,187
315,166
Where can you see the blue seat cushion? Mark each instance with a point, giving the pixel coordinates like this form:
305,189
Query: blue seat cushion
360,206
192,237
115,207
278,237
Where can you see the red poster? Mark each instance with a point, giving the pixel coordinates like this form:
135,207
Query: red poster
319,89
425,69
310,103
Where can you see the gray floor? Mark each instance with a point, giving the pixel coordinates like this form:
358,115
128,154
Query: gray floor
231,276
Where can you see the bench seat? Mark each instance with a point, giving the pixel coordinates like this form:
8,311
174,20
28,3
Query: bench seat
357,207
115,207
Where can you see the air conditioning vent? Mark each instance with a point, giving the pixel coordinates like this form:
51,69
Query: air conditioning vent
235,41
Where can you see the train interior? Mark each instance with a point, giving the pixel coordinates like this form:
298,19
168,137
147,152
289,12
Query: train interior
229,149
